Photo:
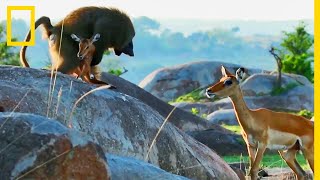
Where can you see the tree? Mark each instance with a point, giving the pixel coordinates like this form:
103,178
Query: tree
297,52
279,65
8,55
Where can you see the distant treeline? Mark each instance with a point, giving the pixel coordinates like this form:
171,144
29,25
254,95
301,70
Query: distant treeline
152,40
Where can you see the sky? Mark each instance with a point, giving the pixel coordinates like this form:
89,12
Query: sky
166,9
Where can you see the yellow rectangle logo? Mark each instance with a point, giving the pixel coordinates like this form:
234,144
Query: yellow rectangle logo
32,25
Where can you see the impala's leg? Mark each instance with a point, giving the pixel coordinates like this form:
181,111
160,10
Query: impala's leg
255,166
307,146
290,157
308,154
81,71
251,152
252,149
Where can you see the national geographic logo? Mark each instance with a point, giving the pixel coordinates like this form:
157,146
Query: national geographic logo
31,42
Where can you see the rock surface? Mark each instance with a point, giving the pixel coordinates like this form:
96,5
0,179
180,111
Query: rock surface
172,82
263,84
297,97
283,174
33,147
120,124
256,90
223,116
224,143
181,119
45,148
205,107
124,168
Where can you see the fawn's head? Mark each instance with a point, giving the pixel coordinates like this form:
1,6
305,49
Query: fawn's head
86,46
226,86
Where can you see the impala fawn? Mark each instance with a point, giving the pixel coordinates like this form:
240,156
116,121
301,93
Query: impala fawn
263,128
85,54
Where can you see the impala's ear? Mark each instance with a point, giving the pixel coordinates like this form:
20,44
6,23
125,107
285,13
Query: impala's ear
225,72
75,37
96,37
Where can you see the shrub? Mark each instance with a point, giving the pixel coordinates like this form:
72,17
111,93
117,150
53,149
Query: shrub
306,113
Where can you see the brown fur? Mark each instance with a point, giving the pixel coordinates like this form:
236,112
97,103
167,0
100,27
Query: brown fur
262,128
115,27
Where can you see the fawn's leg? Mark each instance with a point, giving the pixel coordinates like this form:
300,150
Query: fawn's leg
93,80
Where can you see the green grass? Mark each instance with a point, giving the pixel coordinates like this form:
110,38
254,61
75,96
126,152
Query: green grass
234,128
268,161
116,72
193,96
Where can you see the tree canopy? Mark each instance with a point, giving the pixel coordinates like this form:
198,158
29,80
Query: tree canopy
8,54
297,52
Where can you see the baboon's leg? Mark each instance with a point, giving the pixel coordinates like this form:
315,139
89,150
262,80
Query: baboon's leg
290,158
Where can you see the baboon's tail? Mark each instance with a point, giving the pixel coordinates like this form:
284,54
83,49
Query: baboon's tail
47,26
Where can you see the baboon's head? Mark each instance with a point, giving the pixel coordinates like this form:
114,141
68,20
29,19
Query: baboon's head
124,40
86,46
240,73
128,50
225,87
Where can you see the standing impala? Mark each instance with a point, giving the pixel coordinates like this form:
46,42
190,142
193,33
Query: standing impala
263,128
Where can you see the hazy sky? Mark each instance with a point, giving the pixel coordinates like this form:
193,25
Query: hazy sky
204,9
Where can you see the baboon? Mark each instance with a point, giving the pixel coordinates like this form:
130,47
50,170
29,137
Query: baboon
115,28
242,74
85,54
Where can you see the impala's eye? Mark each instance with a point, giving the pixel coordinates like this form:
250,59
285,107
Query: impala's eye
227,82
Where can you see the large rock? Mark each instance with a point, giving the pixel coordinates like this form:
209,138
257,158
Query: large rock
124,168
224,143
119,123
257,94
223,116
172,82
38,148
258,87
181,119
263,84
33,147
205,107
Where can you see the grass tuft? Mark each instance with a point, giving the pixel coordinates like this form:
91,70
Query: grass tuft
193,96
234,128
